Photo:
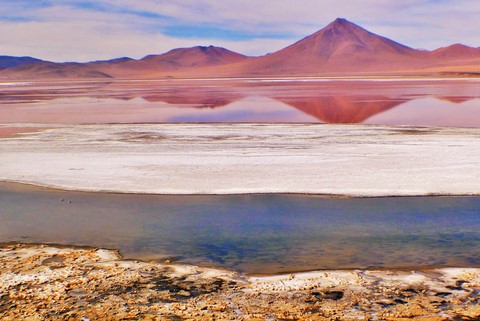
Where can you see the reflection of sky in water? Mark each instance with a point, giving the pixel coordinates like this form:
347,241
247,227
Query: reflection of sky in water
431,112
423,103
261,233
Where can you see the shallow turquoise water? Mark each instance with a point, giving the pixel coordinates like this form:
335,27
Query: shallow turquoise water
252,233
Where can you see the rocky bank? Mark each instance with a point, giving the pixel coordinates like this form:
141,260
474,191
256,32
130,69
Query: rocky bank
40,282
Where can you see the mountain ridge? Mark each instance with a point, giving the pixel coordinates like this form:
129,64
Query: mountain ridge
342,47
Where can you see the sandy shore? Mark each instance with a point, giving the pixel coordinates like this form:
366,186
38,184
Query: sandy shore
40,282
351,160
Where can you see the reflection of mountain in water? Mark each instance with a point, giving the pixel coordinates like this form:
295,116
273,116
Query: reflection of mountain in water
342,109
455,99
192,97
331,102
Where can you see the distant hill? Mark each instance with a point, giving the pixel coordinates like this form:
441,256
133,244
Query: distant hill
194,57
51,70
341,48
456,52
11,62
172,62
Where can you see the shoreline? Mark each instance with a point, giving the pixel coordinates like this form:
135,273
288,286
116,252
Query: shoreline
39,281
34,185
169,261
399,76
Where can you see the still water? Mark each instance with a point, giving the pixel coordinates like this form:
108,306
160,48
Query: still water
252,233
420,102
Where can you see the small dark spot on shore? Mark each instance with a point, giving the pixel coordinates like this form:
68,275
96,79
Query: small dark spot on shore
457,286
443,294
400,301
331,295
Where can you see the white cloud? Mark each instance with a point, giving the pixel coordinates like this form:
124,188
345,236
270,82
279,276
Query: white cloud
103,29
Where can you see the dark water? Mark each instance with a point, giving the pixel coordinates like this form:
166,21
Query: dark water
421,102
252,233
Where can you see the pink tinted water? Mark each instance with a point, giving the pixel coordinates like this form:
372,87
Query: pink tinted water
441,102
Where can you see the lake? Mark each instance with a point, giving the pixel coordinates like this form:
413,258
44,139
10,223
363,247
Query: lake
251,233
418,102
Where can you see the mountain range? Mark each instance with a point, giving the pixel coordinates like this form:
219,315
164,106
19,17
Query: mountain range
341,48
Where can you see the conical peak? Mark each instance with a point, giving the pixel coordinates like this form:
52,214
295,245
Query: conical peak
342,24
340,21
339,32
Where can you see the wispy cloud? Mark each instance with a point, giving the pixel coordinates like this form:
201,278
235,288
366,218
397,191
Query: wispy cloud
81,30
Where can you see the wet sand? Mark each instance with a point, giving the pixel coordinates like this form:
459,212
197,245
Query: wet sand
40,282
333,160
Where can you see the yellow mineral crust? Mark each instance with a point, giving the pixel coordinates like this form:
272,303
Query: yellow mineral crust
40,282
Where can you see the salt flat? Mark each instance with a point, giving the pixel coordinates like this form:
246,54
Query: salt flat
343,160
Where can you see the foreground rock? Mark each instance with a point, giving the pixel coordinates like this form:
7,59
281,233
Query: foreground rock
351,160
55,283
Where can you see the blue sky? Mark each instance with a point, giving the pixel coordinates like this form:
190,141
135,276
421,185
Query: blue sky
83,30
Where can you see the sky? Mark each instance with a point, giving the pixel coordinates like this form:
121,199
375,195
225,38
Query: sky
85,30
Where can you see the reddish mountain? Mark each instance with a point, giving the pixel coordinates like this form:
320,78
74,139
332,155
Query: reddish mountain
456,52
172,62
194,57
342,46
